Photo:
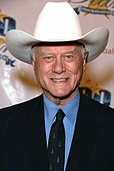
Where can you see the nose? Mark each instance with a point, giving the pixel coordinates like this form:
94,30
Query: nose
58,66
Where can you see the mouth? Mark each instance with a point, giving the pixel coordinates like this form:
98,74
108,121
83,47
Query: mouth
59,80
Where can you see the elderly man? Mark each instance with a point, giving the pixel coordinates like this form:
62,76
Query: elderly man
61,130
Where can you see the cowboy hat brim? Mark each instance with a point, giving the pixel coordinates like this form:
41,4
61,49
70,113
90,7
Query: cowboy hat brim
19,43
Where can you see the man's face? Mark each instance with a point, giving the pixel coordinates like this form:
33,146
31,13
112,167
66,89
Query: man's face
59,69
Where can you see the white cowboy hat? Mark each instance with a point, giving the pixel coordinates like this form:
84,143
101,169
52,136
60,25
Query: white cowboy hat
57,22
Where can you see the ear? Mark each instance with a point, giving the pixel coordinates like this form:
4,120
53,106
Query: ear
85,60
33,64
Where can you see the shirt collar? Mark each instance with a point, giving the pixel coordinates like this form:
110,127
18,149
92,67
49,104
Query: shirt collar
70,109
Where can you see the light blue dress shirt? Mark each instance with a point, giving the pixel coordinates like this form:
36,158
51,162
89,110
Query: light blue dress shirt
70,110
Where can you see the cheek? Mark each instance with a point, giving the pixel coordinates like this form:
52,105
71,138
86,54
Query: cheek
41,70
77,71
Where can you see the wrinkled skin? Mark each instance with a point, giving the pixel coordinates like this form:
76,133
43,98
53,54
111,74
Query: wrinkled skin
59,70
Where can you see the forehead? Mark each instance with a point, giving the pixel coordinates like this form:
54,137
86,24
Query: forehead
62,47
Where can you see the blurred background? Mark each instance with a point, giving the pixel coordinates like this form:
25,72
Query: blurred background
17,80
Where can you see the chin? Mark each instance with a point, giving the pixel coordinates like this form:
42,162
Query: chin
61,94
64,94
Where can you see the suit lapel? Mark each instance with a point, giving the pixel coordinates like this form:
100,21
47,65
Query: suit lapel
85,134
34,138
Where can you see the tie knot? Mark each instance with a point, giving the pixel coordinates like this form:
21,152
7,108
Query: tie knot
60,115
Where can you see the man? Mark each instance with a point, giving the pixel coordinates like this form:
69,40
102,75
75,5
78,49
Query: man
58,53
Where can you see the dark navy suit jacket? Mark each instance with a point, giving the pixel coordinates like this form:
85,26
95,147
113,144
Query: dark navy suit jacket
23,139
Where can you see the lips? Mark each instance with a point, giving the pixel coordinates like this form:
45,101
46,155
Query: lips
59,80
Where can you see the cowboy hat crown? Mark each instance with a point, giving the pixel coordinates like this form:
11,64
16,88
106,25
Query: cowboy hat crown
57,22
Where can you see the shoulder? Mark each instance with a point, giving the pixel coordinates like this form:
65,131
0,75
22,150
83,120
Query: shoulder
21,106
20,111
95,107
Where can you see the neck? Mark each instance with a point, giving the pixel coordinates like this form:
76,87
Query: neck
60,101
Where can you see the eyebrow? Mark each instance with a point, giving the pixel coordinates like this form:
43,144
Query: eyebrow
49,53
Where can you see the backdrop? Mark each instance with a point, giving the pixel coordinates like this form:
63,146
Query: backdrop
17,81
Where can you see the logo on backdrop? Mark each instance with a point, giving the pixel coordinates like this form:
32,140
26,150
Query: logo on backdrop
93,89
101,95
98,7
6,23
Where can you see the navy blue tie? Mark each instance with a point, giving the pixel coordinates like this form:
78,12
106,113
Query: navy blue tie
56,146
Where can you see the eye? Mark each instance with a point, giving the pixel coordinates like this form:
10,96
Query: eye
48,58
69,57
